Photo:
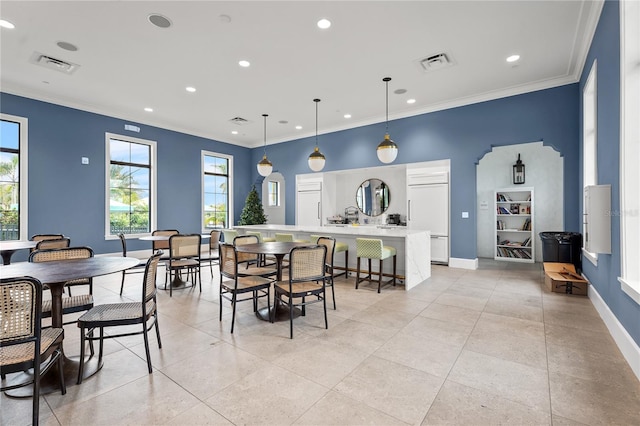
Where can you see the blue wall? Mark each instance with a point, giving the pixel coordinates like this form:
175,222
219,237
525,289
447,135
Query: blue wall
68,197
605,48
461,134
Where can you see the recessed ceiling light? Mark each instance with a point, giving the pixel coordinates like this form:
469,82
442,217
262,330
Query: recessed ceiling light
234,132
67,46
400,91
324,23
298,127
6,24
159,20
148,109
225,19
190,89
347,116
411,101
513,58
283,122
244,63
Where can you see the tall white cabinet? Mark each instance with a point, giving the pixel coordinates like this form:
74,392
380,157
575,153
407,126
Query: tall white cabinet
428,208
514,225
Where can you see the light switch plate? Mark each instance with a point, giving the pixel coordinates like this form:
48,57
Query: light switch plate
465,215
85,160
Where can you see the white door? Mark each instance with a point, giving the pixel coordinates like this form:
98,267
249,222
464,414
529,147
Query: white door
309,208
428,209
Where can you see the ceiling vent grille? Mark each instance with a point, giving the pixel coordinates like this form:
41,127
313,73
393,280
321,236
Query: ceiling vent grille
435,62
53,63
239,121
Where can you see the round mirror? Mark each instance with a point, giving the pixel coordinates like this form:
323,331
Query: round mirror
373,197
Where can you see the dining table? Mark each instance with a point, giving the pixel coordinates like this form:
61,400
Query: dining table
7,248
55,275
278,250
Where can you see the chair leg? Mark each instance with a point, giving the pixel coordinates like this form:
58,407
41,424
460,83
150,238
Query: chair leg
146,346
36,394
82,345
220,304
291,318
357,272
333,293
122,284
101,346
157,330
269,304
63,385
233,316
394,270
380,276
324,305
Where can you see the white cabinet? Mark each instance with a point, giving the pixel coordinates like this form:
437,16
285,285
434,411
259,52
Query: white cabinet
309,204
428,209
597,218
514,225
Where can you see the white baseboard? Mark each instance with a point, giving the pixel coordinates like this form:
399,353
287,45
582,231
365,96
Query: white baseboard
630,350
463,263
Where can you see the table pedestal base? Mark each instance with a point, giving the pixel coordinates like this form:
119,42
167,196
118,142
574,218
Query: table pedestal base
49,383
281,313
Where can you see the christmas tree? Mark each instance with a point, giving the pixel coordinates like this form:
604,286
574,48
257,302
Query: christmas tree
252,213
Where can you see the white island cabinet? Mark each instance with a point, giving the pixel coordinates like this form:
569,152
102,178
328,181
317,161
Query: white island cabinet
413,246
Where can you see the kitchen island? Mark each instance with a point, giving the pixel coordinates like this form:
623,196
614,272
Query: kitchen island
413,246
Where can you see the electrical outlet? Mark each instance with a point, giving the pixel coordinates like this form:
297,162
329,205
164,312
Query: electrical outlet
85,160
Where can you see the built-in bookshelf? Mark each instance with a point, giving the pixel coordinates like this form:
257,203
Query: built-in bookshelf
514,233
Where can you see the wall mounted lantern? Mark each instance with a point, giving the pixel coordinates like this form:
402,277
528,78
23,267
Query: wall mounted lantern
518,172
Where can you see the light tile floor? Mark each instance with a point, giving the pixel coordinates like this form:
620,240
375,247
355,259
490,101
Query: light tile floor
466,347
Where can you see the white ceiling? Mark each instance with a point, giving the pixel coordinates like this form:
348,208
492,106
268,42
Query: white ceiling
127,64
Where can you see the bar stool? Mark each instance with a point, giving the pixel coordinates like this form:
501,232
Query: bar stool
261,239
229,235
372,248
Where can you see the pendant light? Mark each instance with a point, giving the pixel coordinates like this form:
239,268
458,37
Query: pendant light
264,166
387,150
316,159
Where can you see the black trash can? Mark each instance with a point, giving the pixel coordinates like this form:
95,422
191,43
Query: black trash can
564,247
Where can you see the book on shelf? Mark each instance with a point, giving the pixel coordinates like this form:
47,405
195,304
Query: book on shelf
516,253
503,210
503,197
526,226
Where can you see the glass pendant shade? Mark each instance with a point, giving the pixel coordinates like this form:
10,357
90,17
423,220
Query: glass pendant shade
264,166
316,160
387,150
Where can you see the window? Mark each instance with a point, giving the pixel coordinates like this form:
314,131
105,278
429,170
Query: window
130,195
630,148
217,190
274,193
589,143
13,178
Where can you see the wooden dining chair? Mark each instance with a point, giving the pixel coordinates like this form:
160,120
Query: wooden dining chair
184,256
24,345
123,314
137,269
44,237
233,285
71,304
213,256
330,244
307,278
162,245
53,244
251,263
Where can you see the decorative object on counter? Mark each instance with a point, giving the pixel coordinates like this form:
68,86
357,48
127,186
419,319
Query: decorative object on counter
387,149
518,172
336,219
264,166
316,159
393,219
351,214
252,212
373,197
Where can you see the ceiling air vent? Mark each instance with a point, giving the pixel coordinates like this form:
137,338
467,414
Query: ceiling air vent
435,62
239,121
53,63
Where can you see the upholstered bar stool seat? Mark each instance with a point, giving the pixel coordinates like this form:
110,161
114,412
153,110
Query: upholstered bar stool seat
287,238
339,248
261,239
373,248
229,235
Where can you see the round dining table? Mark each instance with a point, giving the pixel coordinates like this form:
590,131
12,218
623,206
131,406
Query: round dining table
55,275
7,248
278,250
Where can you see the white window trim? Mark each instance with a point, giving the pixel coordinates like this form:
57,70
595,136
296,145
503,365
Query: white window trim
24,175
229,186
629,149
152,193
590,85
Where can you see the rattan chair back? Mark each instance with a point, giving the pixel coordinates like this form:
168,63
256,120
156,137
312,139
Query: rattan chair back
228,260
162,245
307,263
330,243
149,288
184,246
23,345
42,237
246,257
53,244
214,240
66,253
